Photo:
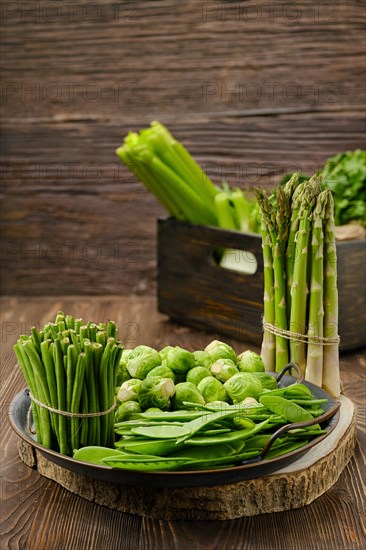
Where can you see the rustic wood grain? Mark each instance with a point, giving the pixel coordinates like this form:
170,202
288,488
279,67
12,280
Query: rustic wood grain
87,220
163,53
253,89
38,513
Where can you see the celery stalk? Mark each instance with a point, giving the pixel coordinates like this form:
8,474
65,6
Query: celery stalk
224,211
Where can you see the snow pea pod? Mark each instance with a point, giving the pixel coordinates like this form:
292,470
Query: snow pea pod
237,435
159,447
146,463
129,424
224,462
310,402
215,431
316,412
160,464
163,431
94,454
311,430
288,409
292,391
283,449
181,415
207,452
198,424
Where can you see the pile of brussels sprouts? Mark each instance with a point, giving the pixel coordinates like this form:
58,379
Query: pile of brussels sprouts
151,380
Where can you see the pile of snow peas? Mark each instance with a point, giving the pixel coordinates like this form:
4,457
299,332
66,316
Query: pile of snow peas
211,436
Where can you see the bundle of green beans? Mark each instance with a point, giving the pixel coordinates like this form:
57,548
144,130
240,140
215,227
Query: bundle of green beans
71,367
300,281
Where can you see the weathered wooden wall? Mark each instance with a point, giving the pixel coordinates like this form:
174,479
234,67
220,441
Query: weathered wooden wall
253,89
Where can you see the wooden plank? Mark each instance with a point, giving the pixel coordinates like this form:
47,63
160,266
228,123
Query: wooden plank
74,220
105,59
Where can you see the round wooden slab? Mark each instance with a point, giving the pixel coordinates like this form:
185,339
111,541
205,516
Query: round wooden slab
291,487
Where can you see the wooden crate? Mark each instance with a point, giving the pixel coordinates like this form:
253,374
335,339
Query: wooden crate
194,290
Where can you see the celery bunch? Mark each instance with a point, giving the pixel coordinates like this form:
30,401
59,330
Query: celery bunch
168,171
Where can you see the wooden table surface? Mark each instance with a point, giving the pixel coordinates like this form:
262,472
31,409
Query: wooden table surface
38,514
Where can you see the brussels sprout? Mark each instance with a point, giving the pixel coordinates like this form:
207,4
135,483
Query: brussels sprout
186,391
142,360
162,371
155,391
220,350
197,374
268,382
127,410
249,361
164,352
128,390
122,372
243,385
251,402
179,360
202,359
125,355
212,390
223,369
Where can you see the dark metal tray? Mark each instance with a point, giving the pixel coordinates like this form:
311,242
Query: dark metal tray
18,417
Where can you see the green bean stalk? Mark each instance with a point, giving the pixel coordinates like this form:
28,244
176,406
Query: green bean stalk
71,367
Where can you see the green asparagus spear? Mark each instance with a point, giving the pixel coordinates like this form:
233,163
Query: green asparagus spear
314,363
331,379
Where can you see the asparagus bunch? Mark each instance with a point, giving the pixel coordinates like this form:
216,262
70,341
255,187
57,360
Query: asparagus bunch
300,281
72,367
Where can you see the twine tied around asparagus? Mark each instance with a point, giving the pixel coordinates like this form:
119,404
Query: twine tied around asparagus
298,337
65,413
